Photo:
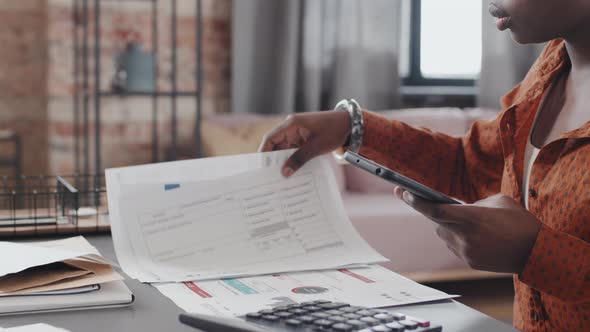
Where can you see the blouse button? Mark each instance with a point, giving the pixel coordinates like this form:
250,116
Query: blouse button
532,193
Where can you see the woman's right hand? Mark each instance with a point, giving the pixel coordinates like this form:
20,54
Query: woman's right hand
312,133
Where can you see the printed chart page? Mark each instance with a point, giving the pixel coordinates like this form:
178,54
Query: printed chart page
256,222
372,286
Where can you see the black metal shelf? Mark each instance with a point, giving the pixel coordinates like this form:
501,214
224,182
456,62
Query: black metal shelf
83,94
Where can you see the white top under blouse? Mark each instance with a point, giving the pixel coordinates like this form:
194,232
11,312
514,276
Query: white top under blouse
572,116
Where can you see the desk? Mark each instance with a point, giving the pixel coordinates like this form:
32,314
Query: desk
154,312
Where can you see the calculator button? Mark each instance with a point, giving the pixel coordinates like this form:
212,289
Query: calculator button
298,311
281,308
321,302
421,322
380,328
293,322
398,316
307,303
270,318
408,324
254,315
352,309
395,327
370,321
334,312
332,305
311,308
323,323
320,315
357,324
306,319
266,312
352,316
284,314
384,318
366,312
341,327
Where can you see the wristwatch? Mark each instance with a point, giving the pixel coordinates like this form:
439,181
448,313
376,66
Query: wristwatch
355,138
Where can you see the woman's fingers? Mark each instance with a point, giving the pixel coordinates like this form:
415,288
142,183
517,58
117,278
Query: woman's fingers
287,135
302,155
398,192
442,213
273,139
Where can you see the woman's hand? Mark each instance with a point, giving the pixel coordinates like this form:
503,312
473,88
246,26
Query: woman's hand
313,134
494,234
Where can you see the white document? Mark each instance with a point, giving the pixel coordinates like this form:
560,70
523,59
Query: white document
373,286
40,327
255,222
41,253
176,172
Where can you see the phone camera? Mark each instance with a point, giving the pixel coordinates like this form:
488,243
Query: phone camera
378,171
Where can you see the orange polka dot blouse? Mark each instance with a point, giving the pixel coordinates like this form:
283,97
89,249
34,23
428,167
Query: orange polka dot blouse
553,290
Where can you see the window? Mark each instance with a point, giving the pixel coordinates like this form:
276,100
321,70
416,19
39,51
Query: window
443,42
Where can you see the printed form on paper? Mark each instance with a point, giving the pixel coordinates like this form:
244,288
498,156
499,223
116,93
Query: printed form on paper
230,216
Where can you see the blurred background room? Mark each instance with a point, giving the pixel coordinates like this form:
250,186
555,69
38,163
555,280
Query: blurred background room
87,85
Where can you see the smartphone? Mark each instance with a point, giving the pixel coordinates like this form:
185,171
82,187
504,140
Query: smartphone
408,184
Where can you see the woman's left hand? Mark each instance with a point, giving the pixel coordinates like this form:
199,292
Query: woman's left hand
494,234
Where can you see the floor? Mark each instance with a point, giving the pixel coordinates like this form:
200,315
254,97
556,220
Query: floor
494,297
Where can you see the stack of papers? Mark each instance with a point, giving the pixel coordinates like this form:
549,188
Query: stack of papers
168,226
52,267
229,235
55,275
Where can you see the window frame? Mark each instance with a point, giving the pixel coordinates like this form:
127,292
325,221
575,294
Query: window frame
414,77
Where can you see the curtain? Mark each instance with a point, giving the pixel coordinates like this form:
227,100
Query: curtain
305,55
504,62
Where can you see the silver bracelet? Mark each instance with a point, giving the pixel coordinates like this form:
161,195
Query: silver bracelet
356,122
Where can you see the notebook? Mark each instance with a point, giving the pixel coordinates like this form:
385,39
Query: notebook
107,295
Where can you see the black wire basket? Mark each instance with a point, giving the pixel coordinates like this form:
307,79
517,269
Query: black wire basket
50,205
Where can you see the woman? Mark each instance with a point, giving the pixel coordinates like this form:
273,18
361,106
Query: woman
524,174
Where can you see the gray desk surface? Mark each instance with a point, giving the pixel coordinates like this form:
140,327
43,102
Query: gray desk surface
154,312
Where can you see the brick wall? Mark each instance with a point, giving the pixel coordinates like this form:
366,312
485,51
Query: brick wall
23,77
37,84
127,121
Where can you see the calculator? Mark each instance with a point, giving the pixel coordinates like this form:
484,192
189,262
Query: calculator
313,316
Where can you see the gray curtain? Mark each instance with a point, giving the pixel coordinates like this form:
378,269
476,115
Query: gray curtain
504,62
302,55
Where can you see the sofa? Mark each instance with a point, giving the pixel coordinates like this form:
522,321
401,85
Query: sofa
399,233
